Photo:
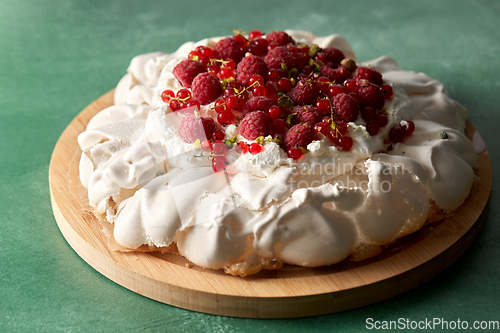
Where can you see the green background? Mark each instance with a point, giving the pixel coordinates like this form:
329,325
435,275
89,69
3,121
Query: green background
56,57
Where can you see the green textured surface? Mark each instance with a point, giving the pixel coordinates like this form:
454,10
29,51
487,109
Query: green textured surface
56,57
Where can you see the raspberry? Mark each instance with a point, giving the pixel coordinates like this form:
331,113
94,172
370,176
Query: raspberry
251,65
346,107
192,128
255,124
228,48
306,114
206,88
334,55
371,95
280,55
187,70
304,93
279,38
262,103
299,135
370,74
337,75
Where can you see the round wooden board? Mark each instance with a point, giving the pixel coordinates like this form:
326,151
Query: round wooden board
288,292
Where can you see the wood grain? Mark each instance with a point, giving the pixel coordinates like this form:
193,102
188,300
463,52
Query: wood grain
289,292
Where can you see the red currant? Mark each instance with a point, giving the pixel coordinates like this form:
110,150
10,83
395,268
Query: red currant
206,52
271,92
256,78
242,42
372,127
225,118
386,91
408,125
324,105
206,145
274,112
232,102
219,135
167,95
220,105
213,69
259,91
278,127
194,103
321,128
335,90
284,84
229,63
327,121
226,73
341,127
218,163
255,148
323,84
397,133
275,74
174,105
368,114
243,146
345,143
219,148
382,120
183,93
350,86
294,153
194,55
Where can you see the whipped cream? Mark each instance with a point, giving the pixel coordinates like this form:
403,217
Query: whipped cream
157,189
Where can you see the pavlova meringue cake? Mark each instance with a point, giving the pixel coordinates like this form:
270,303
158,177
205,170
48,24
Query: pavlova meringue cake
252,151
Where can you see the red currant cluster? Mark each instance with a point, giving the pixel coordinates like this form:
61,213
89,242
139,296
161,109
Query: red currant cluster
179,101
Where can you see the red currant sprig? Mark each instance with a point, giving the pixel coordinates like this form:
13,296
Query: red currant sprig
181,100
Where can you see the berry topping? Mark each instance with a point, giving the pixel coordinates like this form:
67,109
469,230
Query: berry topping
370,74
299,135
262,103
192,128
278,56
228,48
249,66
206,88
306,114
279,38
305,93
254,124
346,107
187,70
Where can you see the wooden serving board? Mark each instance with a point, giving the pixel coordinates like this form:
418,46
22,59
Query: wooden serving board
289,292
